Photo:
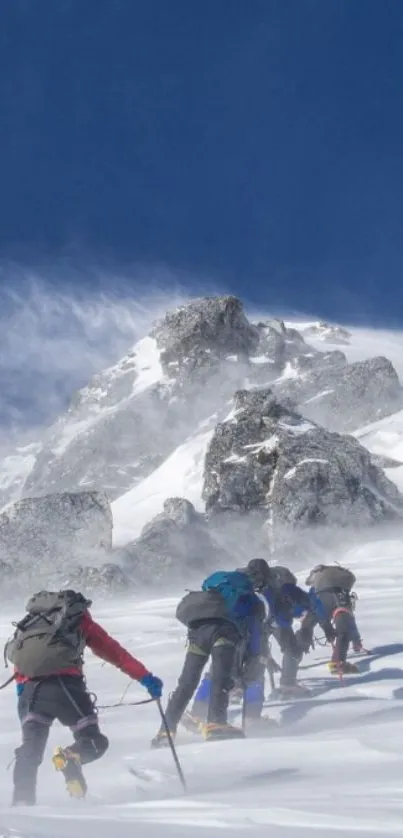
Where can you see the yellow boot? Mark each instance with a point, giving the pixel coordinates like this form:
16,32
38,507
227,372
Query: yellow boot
343,668
69,764
212,731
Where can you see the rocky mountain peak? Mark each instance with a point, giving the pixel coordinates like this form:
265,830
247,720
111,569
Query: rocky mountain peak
215,326
261,408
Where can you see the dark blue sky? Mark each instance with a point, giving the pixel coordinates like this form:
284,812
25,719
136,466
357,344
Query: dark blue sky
257,142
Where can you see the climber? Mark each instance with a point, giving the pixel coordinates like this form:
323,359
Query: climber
282,601
216,618
333,586
285,601
47,653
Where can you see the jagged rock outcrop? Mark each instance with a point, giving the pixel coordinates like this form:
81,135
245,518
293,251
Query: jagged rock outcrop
343,396
173,547
44,535
269,459
203,332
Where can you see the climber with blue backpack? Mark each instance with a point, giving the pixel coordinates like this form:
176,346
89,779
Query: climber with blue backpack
216,618
283,601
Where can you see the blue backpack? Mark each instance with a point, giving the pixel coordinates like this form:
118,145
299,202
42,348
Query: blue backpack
236,589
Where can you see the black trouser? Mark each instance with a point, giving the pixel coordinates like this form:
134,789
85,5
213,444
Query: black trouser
220,641
292,654
338,609
66,699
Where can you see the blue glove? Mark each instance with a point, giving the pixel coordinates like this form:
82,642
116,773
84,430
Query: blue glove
152,684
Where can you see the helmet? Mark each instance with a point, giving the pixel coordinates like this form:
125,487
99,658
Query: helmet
259,572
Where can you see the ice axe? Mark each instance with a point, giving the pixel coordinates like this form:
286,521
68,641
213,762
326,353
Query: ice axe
171,745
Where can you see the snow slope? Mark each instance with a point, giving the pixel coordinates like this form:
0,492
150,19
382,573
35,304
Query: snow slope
332,768
180,475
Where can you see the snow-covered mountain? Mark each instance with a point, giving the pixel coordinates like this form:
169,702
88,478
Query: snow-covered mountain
220,437
170,421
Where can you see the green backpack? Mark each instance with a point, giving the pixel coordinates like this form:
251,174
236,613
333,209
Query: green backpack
48,639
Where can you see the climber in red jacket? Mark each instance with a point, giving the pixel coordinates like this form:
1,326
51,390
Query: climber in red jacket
47,651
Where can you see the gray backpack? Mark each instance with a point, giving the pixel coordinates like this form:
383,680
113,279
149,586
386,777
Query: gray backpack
48,639
201,607
325,577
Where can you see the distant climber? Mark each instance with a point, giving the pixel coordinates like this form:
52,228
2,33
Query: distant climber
333,586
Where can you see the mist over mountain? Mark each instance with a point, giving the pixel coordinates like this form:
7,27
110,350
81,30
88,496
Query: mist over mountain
216,431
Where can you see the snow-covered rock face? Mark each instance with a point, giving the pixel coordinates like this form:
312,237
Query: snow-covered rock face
268,458
175,545
342,396
45,536
132,416
327,333
205,330
140,431
111,436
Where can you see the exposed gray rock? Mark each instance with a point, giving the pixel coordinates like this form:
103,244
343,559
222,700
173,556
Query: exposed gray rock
202,332
270,459
46,534
342,396
105,581
173,546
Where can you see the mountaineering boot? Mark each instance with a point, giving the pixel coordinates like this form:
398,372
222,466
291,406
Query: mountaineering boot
343,668
212,732
69,764
161,739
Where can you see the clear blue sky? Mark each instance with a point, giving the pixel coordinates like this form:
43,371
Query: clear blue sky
259,142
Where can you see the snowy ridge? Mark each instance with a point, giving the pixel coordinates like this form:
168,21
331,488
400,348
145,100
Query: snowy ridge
117,385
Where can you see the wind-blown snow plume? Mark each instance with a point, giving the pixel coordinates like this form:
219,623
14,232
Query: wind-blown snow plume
55,335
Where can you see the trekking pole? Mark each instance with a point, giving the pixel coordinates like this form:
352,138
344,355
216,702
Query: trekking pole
243,717
171,745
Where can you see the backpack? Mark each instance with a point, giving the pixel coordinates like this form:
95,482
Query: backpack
48,639
200,607
326,577
235,588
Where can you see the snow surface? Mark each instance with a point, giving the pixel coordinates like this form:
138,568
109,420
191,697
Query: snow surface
16,467
180,475
333,767
147,364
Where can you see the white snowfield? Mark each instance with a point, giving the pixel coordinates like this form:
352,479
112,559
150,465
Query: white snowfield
333,767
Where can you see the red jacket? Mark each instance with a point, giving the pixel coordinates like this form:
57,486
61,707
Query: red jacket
105,647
